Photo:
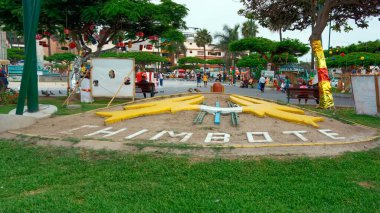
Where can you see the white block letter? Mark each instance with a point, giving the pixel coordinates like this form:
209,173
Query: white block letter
106,132
217,137
70,132
330,134
265,134
296,133
136,134
186,135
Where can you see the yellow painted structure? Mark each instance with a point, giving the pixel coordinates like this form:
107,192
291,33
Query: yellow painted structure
155,107
325,96
249,105
262,108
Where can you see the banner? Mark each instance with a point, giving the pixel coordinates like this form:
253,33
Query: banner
108,75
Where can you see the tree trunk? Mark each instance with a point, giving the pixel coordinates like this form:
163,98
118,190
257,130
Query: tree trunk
49,47
280,34
325,96
204,58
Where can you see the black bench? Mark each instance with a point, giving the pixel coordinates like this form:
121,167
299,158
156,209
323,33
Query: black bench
146,88
303,93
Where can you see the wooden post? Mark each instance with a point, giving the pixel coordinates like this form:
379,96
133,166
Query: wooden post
376,78
118,90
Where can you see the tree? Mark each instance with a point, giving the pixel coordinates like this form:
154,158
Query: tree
253,61
61,57
141,58
202,38
225,38
99,22
369,47
216,61
191,60
174,43
269,49
15,55
354,59
299,15
249,28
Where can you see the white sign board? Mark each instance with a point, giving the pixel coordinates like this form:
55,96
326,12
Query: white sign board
109,74
363,88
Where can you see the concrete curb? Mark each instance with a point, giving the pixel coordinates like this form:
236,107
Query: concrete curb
12,122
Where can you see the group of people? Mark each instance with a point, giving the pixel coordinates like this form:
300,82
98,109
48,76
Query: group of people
199,78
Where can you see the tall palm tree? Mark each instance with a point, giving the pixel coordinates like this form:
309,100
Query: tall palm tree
225,38
249,29
202,38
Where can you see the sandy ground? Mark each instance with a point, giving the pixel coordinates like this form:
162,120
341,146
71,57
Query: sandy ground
183,122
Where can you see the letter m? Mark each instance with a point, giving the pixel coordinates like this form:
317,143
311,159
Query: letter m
186,135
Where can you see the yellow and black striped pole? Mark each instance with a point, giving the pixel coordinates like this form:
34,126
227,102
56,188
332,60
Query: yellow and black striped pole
325,96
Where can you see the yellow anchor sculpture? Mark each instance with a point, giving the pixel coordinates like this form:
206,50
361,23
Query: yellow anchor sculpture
155,107
262,108
249,105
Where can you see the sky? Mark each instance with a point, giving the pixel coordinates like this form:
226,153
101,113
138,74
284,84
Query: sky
214,14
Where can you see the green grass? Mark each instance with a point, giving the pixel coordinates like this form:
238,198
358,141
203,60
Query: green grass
58,101
50,179
348,114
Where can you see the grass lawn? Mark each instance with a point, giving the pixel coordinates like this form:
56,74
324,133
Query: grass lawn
73,180
58,101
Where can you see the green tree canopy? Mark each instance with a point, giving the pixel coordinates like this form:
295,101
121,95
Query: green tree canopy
252,61
268,49
354,59
174,43
369,47
215,61
191,60
183,66
61,57
99,22
15,55
141,58
299,15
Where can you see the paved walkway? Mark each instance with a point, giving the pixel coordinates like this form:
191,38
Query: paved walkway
178,86
173,86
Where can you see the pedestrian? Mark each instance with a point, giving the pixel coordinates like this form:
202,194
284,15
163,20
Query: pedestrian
198,79
3,79
205,79
287,83
161,77
262,83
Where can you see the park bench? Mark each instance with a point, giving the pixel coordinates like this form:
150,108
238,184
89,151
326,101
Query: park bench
303,93
146,88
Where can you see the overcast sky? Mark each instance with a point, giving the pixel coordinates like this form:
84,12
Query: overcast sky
214,14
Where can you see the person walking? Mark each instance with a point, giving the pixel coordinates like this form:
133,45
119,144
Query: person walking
3,79
161,78
205,79
198,79
262,83
287,83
